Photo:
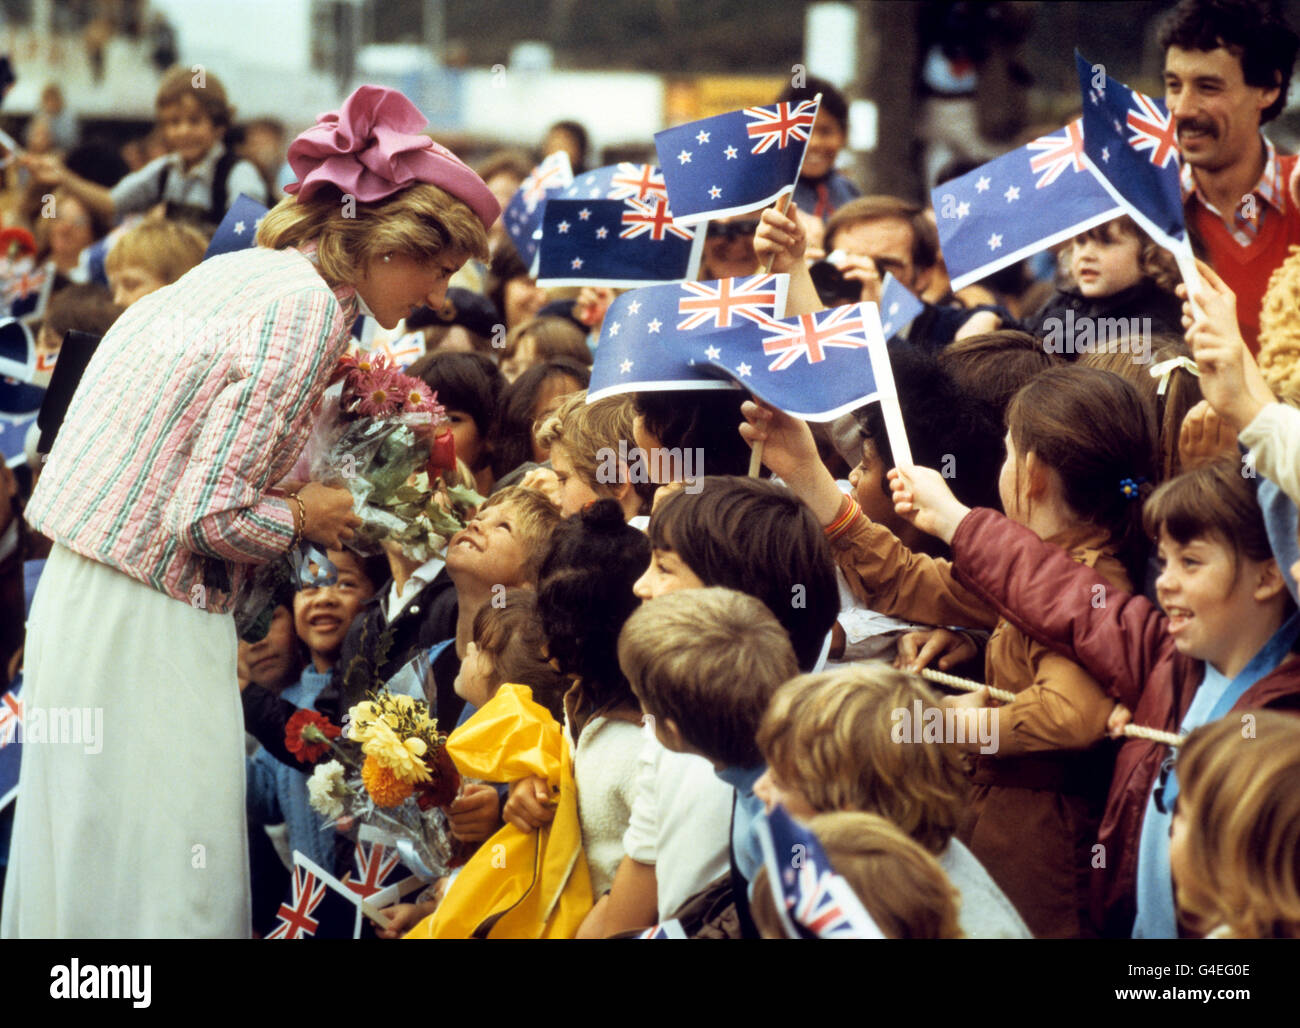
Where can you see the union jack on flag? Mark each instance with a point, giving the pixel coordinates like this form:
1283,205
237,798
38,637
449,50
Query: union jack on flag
1130,146
553,173
638,348
613,226
653,217
736,162
375,864
637,181
1056,152
781,124
808,336
714,303
11,716
522,217
1153,129
295,917
811,898
815,367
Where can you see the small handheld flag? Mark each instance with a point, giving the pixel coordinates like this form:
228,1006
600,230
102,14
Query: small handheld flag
613,227
899,307
1131,148
11,717
1018,204
523,214
238,229
813,901
736,162
637,351
816,366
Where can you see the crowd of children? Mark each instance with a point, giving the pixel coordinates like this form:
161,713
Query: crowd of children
1106,541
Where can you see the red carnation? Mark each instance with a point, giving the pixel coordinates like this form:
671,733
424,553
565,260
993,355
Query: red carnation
307,750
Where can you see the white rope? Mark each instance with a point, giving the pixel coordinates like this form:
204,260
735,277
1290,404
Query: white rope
1132,731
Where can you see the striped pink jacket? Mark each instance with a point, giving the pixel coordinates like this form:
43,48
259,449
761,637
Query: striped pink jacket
197,400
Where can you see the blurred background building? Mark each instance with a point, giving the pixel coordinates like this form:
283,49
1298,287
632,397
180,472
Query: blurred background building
929,81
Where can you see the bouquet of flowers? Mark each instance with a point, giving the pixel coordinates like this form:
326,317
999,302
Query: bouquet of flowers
386,438
390,770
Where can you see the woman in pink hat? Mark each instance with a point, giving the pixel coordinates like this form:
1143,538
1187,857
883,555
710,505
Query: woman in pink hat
159,496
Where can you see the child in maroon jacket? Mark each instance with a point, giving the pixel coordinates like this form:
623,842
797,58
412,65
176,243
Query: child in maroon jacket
1222,645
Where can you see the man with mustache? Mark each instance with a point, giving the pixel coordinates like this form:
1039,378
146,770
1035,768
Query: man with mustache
1227,67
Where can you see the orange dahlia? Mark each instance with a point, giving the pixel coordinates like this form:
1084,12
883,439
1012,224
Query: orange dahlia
385,788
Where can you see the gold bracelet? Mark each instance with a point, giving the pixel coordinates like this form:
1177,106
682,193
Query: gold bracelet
299,522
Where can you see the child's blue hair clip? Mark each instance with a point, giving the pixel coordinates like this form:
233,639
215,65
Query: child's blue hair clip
1130,487
314,570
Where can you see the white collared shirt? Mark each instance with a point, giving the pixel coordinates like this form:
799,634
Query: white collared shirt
396,601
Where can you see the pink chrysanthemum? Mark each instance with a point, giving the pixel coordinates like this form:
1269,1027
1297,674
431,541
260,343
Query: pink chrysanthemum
380,393
417,397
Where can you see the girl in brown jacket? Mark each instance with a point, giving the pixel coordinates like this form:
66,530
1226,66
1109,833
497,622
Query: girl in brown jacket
1079,452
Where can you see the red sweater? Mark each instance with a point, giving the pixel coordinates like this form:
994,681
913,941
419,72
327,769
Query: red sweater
1246,269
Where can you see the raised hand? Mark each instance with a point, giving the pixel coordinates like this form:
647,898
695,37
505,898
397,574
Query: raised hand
922,496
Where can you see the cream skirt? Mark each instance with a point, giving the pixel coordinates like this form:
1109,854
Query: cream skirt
131,814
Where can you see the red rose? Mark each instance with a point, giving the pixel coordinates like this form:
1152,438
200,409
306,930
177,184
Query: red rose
443,787
305,751
442,455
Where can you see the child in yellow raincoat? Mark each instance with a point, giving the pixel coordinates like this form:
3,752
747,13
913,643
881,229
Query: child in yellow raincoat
518,885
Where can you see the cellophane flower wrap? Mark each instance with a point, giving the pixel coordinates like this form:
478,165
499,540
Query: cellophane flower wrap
385,437
390,769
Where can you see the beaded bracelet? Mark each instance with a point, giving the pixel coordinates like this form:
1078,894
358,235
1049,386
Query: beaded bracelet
848,513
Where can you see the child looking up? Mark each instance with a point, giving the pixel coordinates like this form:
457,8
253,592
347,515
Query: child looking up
322,615
829,742
1223,643
1236,829
1038,799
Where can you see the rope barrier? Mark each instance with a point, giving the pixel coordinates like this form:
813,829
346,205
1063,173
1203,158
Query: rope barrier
1132,731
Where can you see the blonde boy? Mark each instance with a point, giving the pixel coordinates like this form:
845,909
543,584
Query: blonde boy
151,255
830,745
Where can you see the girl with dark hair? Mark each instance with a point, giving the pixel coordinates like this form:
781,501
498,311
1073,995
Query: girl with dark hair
584,595
525,403
704,421
1040,792
469,386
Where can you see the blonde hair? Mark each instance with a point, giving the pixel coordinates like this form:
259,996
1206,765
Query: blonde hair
165,249
709,660
422,221
830,736
1279,329
584,429
536,518
900,885
1239,801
